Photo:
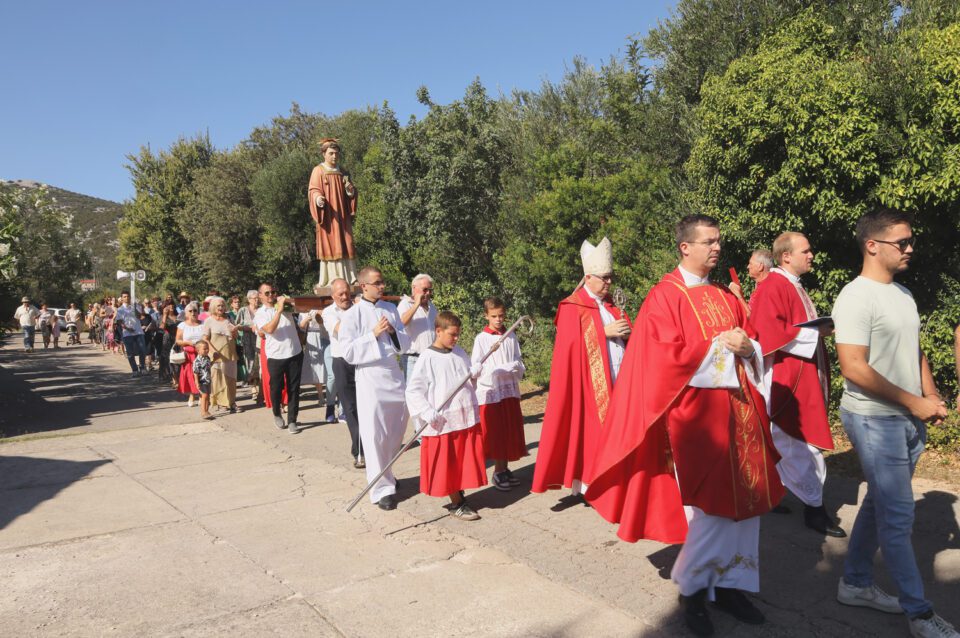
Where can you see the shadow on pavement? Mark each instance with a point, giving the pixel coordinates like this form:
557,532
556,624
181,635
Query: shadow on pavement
59,389
27,481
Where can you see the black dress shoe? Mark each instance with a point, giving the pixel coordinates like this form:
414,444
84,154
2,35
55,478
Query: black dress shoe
780,508
695,613
816,518
388,502
735,603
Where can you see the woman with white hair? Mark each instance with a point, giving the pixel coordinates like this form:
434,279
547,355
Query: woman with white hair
221,334
189,332
248,341
314,372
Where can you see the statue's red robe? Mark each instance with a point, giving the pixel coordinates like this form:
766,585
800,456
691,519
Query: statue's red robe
665,444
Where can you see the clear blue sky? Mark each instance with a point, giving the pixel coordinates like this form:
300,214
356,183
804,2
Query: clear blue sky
86,83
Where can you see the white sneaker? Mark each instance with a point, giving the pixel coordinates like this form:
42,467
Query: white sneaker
190,401
872,597
932,627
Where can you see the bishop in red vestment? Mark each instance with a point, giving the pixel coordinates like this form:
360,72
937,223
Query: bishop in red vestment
796,363
589,347
685,454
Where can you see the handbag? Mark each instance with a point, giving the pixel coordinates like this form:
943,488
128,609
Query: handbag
178,357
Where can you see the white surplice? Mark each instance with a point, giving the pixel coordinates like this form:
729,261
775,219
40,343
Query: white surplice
615,345
381,405
434,377
502,371
718,551
801,467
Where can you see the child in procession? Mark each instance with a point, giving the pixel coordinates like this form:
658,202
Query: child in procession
451,452
202,366
498,392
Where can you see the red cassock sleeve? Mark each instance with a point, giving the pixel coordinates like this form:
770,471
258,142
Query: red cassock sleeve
635,484
771,314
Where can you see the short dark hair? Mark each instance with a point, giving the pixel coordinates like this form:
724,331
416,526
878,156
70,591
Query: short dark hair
490,303
874,223
446,319
685,228
366,271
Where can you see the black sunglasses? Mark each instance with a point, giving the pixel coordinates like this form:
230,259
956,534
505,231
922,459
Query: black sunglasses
901,244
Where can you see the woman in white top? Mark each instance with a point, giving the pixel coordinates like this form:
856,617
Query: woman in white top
189,332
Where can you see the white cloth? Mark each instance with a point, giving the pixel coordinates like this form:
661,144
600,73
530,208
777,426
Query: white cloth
283,342
129,318
345,269
718,368
72,315
805,343
26,315
421,329
331,316
434,377
502,371
381,404
190,333
718,552
801,467
615,346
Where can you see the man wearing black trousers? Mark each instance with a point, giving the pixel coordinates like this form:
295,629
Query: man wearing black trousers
343,372
284,354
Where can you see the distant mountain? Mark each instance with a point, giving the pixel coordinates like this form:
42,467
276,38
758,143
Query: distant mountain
95,220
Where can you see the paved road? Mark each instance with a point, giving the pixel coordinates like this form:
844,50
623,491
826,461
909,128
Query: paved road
122,514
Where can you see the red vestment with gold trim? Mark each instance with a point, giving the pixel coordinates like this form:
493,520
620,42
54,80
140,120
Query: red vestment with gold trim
580,391
666,444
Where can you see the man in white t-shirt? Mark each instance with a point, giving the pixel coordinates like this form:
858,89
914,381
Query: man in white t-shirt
889,394
284,355
133,342
419,316
27,316
344,374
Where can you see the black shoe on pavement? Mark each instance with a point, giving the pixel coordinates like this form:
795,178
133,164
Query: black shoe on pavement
816,518
695,613
388,503
510,477
780,508
736,603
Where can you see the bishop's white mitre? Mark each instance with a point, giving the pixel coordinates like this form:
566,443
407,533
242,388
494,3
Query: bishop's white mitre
597,260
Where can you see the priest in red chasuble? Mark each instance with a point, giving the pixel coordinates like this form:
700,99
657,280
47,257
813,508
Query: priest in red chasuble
333,206
589,346
685,454
798,375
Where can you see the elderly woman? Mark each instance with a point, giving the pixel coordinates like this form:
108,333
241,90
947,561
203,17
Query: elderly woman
248,339
189,332
314,372
221,334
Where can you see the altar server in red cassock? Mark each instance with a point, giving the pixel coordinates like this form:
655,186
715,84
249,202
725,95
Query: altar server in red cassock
798,374
498,392
451,450
589,346
685,454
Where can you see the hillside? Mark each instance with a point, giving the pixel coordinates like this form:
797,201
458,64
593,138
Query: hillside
95,220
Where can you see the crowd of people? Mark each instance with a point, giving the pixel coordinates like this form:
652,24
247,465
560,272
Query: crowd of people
682,426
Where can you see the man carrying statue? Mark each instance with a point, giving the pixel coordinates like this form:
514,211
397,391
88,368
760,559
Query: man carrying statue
333,206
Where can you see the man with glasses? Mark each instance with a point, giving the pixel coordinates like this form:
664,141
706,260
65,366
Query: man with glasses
419,316
889,394
685,454
371,336
284,355
591,335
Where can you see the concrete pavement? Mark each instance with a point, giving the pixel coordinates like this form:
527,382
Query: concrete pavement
131,517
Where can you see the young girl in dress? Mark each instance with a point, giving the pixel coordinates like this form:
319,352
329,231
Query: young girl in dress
498,391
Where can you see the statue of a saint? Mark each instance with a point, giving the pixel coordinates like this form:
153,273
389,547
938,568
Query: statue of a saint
333,205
